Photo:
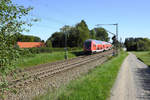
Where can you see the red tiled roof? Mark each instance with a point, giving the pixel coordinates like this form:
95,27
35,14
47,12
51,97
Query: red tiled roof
30,44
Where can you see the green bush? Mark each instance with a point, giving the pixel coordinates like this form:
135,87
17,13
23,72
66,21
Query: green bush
137,44
48,43
33,51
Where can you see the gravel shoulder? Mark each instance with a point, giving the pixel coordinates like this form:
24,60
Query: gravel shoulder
133,81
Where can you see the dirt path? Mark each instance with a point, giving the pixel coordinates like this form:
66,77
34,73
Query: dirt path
133,81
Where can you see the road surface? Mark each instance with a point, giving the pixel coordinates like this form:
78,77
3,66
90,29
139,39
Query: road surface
133,81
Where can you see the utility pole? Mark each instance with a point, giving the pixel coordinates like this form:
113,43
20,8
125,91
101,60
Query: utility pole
65,30
117,39
121,42
66,52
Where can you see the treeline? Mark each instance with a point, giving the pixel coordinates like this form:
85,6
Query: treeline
75,36
137,44
26,38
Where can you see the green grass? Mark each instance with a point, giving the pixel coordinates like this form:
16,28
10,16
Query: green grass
96,85
42,58
144,56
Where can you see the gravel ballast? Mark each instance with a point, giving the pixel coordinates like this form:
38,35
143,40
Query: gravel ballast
40,87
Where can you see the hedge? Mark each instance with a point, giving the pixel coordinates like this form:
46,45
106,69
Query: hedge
32,51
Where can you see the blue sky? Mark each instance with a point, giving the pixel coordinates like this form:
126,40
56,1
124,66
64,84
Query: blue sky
133,16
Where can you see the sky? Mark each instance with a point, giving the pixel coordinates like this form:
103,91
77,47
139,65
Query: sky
132,16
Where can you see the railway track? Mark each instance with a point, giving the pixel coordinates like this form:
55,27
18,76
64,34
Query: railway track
48,70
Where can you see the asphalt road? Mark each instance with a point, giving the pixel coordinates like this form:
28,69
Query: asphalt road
133,81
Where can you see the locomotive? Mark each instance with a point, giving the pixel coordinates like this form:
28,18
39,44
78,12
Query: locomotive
93,46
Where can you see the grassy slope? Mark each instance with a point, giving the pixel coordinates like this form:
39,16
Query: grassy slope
42,58
144,56
94,86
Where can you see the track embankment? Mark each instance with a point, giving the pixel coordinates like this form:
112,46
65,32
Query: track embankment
36,81
133,81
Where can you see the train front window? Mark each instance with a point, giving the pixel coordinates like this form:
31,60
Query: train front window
87,44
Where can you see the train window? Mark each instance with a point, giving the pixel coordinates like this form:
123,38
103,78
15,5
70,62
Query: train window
87,44
94,45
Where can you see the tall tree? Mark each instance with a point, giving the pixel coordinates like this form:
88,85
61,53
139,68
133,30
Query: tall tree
75,35
92,34
11,22
83,32
57,39
101,34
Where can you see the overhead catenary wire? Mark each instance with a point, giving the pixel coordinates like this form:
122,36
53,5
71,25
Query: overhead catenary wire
58,11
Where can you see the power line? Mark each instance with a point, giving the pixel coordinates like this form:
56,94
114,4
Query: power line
58,11
115,35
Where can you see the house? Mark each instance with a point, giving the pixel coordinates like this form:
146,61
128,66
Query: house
30,44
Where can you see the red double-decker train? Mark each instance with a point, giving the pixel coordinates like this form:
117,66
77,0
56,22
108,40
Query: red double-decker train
91,46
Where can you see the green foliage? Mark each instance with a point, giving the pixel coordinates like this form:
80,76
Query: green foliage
28,38
11,22
92,34
82,33
24,52
25,38
58,39
8,56
40,50
101,34
75,35
72,37
48,43
137,44
32,51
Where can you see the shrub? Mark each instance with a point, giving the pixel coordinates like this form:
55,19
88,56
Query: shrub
33,51
137,44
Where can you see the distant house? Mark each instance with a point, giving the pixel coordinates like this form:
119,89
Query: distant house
30,44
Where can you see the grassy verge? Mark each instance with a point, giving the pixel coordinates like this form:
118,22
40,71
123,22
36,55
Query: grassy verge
96,85
144,56
42,58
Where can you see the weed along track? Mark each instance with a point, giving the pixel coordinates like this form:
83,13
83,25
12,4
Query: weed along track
42,72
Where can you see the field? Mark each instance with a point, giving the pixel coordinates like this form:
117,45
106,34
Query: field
144,56
96,85
43,58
